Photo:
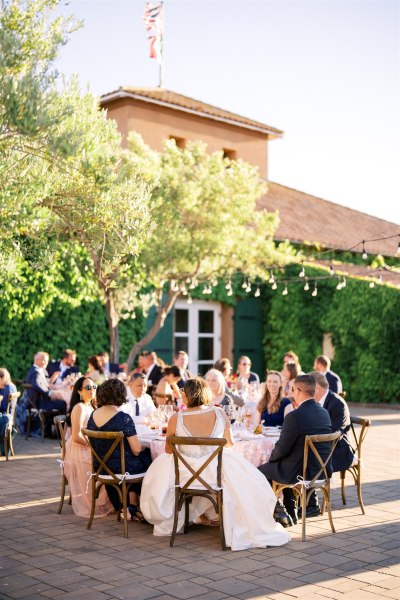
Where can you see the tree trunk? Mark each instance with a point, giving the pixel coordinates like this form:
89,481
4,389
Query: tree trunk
113,320
162,313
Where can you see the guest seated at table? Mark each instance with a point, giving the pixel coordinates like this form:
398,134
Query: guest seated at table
139,403
109,368
224,365
216,381
95,370
6,388
40,393
289,374
272,404
167,391
58,370
78,462
110,396
245,376
248,498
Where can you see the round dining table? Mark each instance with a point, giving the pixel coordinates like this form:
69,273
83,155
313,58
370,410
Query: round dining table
256,448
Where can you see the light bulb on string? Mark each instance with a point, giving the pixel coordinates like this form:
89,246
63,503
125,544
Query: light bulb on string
257,292
272,278
339,285
205,289
371,284
248,287
364,254
228,285
274,285
214,282
183,290
380,280
189,299
244,284
331,270
315,290
229,292
344,282
306,285
192,284
285,291
302,272
187,280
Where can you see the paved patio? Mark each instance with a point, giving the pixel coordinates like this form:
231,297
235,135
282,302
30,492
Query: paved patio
45,555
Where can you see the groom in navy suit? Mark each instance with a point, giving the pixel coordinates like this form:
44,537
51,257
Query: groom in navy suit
286,461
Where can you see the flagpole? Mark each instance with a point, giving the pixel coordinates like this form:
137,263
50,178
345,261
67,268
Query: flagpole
161,67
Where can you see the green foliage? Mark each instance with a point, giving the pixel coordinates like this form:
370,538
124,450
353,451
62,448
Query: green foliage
365,328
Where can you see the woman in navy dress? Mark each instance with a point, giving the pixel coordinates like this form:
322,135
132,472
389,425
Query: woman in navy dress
110,396
272,405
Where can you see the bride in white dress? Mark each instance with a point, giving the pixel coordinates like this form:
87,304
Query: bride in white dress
249,501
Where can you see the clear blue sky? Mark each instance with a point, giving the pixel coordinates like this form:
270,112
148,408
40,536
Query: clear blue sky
326,72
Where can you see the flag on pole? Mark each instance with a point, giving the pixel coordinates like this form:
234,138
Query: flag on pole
154,26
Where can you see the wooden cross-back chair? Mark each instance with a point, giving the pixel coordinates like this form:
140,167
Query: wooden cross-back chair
34,409
102,474
10,410
196,485
321,480
60,423
356,467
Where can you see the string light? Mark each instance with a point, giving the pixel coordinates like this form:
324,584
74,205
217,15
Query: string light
339,285
174,286
364,254
371,284
230,292
189,299
285,291
307,285
331,270
228,285
380,280
244,284
214,282
302,272
344,282
257,292
315,290
274,286
272,278
248,287
192,284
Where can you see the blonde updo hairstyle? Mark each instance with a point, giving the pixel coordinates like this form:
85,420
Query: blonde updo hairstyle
197,392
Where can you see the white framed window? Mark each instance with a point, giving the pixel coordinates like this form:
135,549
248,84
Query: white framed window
197,330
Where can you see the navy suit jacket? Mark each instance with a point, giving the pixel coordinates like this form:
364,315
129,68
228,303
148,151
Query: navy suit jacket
340,418
286,460
334,382
40,391
55,365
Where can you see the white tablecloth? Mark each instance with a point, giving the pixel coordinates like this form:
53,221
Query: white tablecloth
255,448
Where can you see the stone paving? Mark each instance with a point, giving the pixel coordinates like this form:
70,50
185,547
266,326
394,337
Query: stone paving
44,555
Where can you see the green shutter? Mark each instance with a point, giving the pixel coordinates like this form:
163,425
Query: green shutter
162,344
248,334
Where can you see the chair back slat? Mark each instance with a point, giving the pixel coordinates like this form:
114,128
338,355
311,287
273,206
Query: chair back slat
359,435
309,445
60,423
175,441
117,438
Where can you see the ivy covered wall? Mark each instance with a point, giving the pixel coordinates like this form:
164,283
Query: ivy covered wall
365,328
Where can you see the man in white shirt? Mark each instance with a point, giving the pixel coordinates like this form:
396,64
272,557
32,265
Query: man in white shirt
139,403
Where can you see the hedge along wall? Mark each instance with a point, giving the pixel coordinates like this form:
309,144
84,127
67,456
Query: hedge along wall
365,328
54,310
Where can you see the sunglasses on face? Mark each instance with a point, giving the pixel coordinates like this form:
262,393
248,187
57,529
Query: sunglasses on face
90,387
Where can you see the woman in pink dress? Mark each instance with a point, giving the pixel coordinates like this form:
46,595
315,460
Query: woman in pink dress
78,462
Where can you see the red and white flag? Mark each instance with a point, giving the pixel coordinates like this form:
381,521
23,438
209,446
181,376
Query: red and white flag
154,26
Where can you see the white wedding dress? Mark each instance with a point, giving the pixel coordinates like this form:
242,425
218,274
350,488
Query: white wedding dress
248,503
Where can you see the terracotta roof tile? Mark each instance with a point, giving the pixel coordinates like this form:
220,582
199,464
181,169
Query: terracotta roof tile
178,101
306,218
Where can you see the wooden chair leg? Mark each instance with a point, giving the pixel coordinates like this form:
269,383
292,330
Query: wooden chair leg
342,477
175,526
5,443
358,483
28,425
60,506
303,513
91,517
327,498
187,505
11,443
70,499
42,424
125,508
221,521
